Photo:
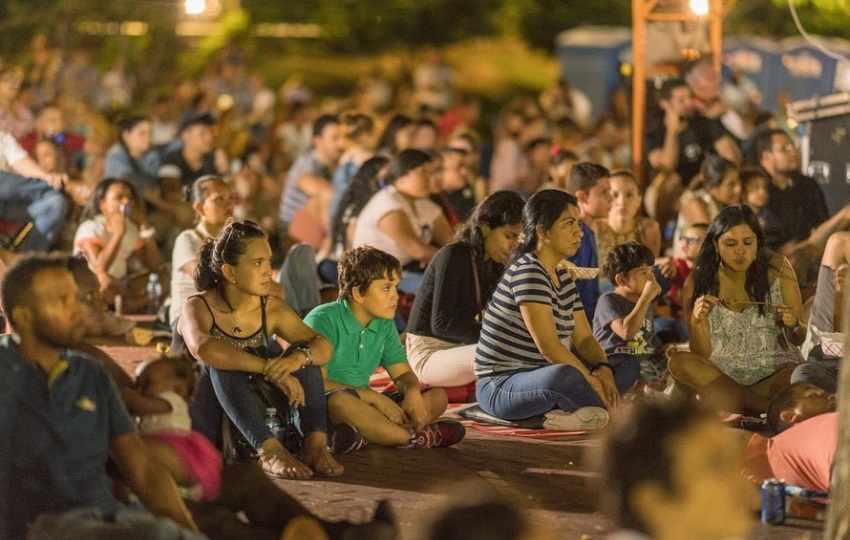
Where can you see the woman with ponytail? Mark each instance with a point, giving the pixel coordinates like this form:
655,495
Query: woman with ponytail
536,354
227,327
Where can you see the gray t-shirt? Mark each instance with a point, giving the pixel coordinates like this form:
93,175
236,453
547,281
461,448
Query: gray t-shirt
612,306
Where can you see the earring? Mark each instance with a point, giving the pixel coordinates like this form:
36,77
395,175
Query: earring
234,282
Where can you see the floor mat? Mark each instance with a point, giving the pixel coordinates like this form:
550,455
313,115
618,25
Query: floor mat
546,434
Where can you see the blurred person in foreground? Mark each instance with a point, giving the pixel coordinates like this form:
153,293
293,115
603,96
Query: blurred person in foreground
671,471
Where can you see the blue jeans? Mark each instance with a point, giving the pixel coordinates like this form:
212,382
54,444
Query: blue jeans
299,278
29,199
89,523
229,392
818,370
523,394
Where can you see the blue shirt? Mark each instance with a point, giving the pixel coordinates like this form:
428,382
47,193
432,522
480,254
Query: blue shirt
505,344
358,350
587,257
55,435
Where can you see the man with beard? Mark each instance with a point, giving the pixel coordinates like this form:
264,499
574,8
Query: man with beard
61,418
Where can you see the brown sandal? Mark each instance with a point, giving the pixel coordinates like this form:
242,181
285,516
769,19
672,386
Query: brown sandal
320,460
281,464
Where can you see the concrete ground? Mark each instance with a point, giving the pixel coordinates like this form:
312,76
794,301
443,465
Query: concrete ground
554,480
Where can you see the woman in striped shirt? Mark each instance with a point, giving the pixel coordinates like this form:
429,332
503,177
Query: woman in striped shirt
536,353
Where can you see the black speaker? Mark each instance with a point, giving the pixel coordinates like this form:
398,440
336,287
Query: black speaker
826,145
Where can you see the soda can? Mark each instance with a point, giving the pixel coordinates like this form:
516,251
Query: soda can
773,501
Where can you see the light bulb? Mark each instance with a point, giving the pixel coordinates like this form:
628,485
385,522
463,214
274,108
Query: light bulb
699,7
195,7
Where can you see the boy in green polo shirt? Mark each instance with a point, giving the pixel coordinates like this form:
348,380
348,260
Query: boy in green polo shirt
360,326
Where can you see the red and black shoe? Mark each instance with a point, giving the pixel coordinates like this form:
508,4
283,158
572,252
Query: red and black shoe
439,435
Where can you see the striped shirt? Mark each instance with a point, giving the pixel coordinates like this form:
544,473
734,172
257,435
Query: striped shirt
505,344
293,198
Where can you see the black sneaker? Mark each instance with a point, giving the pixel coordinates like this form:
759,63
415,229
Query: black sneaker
439,435
345,438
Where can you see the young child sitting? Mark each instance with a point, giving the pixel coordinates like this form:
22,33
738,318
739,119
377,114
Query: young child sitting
360,327
190,458
755,184
690,241
623,319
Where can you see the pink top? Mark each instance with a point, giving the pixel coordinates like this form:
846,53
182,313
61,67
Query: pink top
802,454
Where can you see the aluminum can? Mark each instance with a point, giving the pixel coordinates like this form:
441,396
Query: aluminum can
773,501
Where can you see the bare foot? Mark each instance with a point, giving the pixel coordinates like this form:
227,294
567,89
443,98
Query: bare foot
319,458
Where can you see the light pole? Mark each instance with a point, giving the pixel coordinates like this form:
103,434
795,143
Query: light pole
644,11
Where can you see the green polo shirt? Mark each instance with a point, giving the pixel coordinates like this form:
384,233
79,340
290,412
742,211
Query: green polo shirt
358,350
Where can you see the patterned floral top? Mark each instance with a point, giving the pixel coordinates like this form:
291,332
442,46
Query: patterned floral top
748,346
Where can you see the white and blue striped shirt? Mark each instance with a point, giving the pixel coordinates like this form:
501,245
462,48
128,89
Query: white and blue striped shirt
505,344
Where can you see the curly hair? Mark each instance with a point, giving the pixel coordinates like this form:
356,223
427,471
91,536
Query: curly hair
625,257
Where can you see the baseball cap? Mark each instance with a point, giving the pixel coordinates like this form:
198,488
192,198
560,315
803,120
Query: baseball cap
195,118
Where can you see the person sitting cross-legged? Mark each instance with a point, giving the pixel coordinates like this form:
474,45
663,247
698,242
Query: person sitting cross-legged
360,327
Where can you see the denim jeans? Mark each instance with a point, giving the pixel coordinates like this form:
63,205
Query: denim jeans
29,199
523,394
818,370
229,392
299,278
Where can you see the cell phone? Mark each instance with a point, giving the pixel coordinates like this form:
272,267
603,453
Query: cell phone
126,209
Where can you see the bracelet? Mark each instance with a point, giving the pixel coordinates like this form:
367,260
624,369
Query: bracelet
602,365
308,354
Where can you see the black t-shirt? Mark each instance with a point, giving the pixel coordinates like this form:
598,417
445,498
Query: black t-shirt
189,175
800,207
695,142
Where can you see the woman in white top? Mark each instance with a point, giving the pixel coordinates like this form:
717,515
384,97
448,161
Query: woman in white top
117,230
720,186
402,221
213,203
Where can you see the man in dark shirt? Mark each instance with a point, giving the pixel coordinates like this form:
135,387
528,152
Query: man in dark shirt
795,198
676,145
194,153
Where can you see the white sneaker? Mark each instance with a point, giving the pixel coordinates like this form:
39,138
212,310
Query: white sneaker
583,419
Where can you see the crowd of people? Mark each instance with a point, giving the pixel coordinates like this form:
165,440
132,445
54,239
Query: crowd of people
536,275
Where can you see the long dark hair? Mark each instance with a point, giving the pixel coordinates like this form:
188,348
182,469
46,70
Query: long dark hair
500,208
100,190
125,125
714,170
707,264
366,182
541,210
226,248
386,143
404,162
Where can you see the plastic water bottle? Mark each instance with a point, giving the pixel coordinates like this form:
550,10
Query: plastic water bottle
154,290
272,421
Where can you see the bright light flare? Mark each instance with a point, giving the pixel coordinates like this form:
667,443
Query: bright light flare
195,7
698,7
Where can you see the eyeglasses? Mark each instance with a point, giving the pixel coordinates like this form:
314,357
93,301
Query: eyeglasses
691,239
786,148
